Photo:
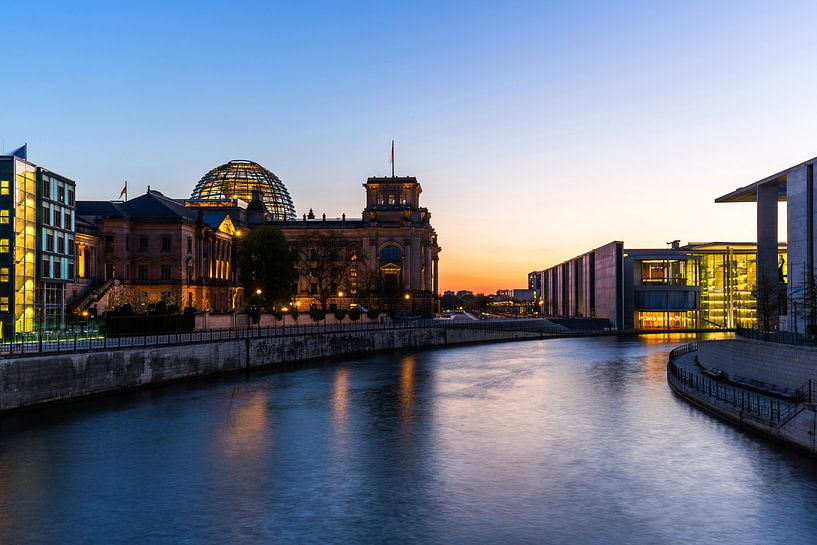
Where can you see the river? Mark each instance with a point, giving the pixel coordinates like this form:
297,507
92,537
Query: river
569,441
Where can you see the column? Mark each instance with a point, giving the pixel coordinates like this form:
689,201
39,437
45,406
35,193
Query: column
436,273
407,265
427,265
766,276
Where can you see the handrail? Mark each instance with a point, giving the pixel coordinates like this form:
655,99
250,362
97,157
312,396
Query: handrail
45,343
748,404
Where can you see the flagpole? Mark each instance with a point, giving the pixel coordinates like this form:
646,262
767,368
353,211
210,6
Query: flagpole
392,158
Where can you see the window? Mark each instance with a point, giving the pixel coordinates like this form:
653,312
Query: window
67,222
313,288
189,245
165,244
46,188
61,193
189,298
402,200
49,242
380,199
4,274
143,243
109,242
71,197
4,187
142,272
59,247
46,268
392,200
4,304
46,215
57,218
57,268
70,272
4,216
165,272
71,246
4,245
127,243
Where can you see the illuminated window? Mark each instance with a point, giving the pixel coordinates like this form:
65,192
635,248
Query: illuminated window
4,216
4,304
4,274
4,187
4,245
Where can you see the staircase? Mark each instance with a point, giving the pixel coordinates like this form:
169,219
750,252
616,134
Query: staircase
91,294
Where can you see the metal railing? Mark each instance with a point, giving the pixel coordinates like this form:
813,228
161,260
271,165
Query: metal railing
779,337
50,343
767,409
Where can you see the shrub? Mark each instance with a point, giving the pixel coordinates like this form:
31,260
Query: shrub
294,313
173,309
373,313
340,314
317,315
161,307
354,314
189,310
278,315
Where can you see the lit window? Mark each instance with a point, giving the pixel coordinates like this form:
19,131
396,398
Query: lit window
4,187
4,245
4,274
4,216
4,304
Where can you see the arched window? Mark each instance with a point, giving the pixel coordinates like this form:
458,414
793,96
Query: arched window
392,200
391,254
380,199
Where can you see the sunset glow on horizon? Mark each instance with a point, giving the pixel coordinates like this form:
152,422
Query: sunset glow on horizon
538,130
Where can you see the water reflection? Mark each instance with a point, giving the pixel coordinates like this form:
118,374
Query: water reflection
562,441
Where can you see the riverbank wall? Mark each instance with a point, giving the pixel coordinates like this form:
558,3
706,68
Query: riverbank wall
789,419
37,379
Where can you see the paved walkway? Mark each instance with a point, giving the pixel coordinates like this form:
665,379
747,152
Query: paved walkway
726,396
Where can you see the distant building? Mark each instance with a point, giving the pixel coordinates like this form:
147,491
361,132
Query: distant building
182,250
465,293
36,245
697,286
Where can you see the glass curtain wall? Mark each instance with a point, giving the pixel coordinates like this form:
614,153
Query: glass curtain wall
25,246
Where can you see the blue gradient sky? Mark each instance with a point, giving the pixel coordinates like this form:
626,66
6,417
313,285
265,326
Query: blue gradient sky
538,129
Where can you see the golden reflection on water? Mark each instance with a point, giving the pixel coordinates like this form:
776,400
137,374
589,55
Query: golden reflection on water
340,399
407,365
247,434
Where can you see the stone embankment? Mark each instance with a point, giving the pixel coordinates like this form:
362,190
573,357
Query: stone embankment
766,388
32,379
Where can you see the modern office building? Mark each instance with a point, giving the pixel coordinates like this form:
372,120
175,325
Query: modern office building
696,286
36,227
792,307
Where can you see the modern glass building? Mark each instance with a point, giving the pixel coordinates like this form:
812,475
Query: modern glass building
728,282
32,297
696,286
56,245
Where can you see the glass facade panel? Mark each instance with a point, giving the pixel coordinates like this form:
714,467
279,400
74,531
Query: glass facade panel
25,246
666,320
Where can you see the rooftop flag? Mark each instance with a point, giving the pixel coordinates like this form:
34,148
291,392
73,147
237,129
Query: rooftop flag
124,191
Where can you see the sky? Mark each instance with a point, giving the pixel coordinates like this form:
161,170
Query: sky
538,130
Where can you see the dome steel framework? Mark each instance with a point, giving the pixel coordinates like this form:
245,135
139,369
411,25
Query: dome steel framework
238,179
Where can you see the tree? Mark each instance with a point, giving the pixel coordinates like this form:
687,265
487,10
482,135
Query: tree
768,295
449,301
265,263
327,258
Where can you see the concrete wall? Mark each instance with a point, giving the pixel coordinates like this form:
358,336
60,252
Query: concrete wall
780,364
34,380
607,283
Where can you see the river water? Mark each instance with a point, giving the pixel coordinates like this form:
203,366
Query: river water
542,442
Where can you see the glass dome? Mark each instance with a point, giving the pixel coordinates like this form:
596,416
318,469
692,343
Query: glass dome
238,179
